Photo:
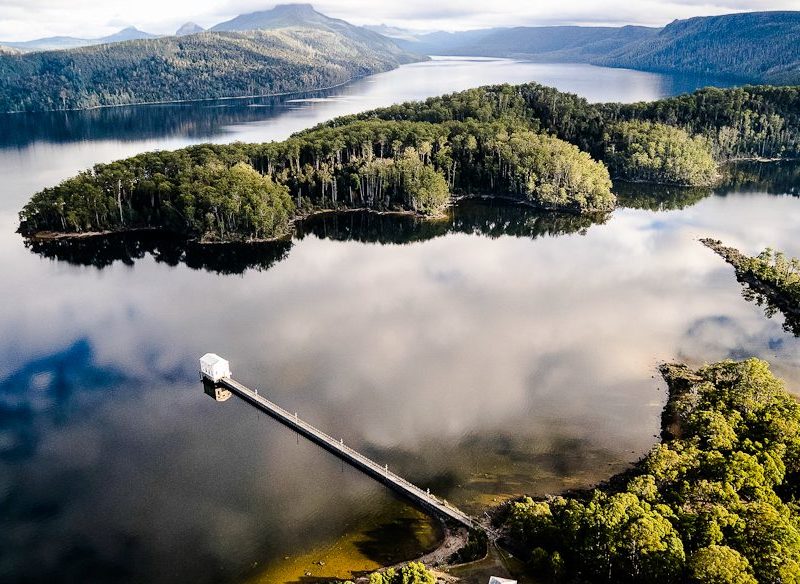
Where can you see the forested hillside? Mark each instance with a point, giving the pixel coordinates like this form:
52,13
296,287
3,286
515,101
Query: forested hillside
545,43
756,46
198,66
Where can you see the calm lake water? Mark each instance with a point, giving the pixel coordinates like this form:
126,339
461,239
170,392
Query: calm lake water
493,353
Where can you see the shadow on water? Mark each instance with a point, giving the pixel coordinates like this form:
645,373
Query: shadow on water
481,217
384,543
483,468
775,178
193,120
41,392
475,217
103,251
402,531
659,198
490,218
772,306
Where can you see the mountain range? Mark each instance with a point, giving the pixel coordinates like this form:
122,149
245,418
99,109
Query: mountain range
288,49
293,47
755,46
189,28
59,43
287,16
279,17
752,46
66,42
549,43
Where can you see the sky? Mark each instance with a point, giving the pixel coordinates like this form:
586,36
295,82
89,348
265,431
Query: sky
29,19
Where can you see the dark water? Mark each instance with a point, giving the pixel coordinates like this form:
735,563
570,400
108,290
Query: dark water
496,352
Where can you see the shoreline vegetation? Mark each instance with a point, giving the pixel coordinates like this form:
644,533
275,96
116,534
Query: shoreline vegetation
534,144
771,279
287,93
716,502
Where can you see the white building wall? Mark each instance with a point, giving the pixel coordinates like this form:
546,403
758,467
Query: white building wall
214,367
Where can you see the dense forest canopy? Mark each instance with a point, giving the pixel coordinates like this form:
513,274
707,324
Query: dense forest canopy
739,123
754,46
530,143
716,502
411,573
658,153
778,269
198,66
374,164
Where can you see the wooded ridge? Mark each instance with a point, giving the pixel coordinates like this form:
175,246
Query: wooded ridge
755,47
199,66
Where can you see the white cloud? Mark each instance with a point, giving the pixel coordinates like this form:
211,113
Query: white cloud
26,19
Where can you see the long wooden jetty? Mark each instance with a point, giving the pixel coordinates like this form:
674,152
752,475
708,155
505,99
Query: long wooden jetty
421,498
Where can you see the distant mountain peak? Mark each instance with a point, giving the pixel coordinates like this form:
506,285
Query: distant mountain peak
189,28
129,33
304,16
297,7
281,16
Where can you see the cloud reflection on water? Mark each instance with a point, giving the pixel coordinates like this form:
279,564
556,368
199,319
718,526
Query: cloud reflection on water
480,365
477,366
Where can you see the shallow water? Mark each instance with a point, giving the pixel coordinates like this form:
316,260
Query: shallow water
497,352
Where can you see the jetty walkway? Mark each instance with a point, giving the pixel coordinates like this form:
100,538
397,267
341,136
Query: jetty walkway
417,496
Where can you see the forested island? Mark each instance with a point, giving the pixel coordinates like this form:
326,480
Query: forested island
717,502
529,143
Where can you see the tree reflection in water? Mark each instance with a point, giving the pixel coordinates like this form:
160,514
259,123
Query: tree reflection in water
490,218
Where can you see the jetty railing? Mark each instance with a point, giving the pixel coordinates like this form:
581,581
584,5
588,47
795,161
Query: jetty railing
423,498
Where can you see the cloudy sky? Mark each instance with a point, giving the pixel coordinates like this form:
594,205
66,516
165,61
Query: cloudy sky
27,19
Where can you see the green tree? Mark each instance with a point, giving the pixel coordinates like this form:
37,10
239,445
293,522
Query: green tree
720,565
655,152
411,573
720,492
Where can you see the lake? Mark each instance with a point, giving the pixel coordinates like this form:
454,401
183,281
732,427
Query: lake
496,352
